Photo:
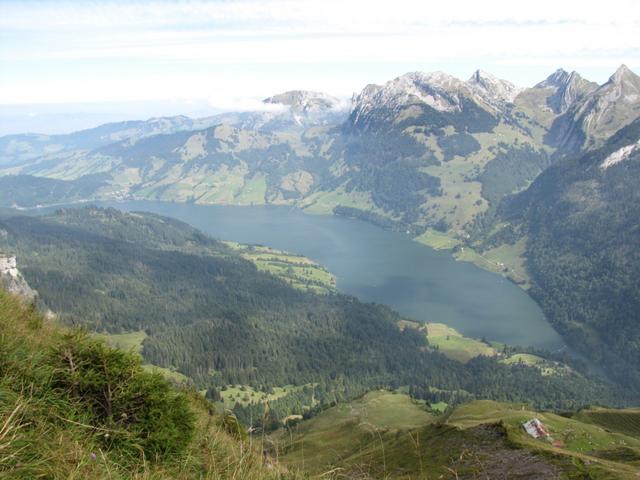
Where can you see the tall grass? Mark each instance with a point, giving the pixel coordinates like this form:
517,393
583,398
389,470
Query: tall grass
47,430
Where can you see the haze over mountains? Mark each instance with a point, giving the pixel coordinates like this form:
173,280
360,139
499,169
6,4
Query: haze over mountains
404,150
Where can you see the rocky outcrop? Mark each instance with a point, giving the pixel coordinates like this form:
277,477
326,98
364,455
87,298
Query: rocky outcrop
12,280
589,121
492,90
565,89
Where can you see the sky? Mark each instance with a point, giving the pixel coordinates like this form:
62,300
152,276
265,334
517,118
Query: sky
99,60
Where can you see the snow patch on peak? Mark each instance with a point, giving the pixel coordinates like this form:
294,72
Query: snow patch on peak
620,155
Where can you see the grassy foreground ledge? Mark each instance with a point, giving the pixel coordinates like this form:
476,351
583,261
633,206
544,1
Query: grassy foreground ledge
73,408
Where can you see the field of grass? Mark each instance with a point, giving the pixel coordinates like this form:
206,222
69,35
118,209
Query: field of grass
626,421
245,395
437,240
253,191
323,203
461,198
300,272
496,264
132,342
168,373
439,407
129,342
524,359
450,342
454,345
546,367
323,441
387,436
511,258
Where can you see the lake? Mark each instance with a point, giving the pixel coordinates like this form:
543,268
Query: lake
380,266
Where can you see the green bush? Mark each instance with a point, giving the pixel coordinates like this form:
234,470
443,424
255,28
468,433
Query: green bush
132,409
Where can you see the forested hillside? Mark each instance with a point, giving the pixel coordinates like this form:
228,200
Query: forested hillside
582,218
212,316
74,408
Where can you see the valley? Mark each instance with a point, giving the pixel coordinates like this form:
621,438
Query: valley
303,240
379,266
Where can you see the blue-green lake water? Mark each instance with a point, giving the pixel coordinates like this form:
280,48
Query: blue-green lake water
380,266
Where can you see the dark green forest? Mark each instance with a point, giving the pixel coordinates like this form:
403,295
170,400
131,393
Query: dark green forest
583,227
214,317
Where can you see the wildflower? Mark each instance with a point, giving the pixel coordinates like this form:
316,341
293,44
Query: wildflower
93,456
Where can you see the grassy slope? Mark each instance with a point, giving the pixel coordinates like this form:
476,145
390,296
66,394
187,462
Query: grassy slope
44,434
625,421
340,432
450,342
298,271
583,443
245,394
454,345
384,435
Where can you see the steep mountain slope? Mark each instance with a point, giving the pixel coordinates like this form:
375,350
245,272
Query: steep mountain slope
581,218
592,119
91,411
448,134
72,408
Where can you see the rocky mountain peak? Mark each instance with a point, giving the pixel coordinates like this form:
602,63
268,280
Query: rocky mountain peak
595,116
558,78
625,83
436,89
492,89
568,88
621,74
304,101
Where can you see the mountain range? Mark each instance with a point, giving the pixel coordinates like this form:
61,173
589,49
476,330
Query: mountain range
537,184
425,153
423,150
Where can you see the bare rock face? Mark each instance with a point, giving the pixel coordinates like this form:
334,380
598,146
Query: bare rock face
589,121
433,98
436,90
492,90
567,89
12,279
303,101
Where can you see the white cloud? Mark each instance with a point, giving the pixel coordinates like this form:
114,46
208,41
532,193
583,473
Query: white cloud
188,40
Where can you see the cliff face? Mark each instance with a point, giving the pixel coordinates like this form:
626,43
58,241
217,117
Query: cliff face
12,279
